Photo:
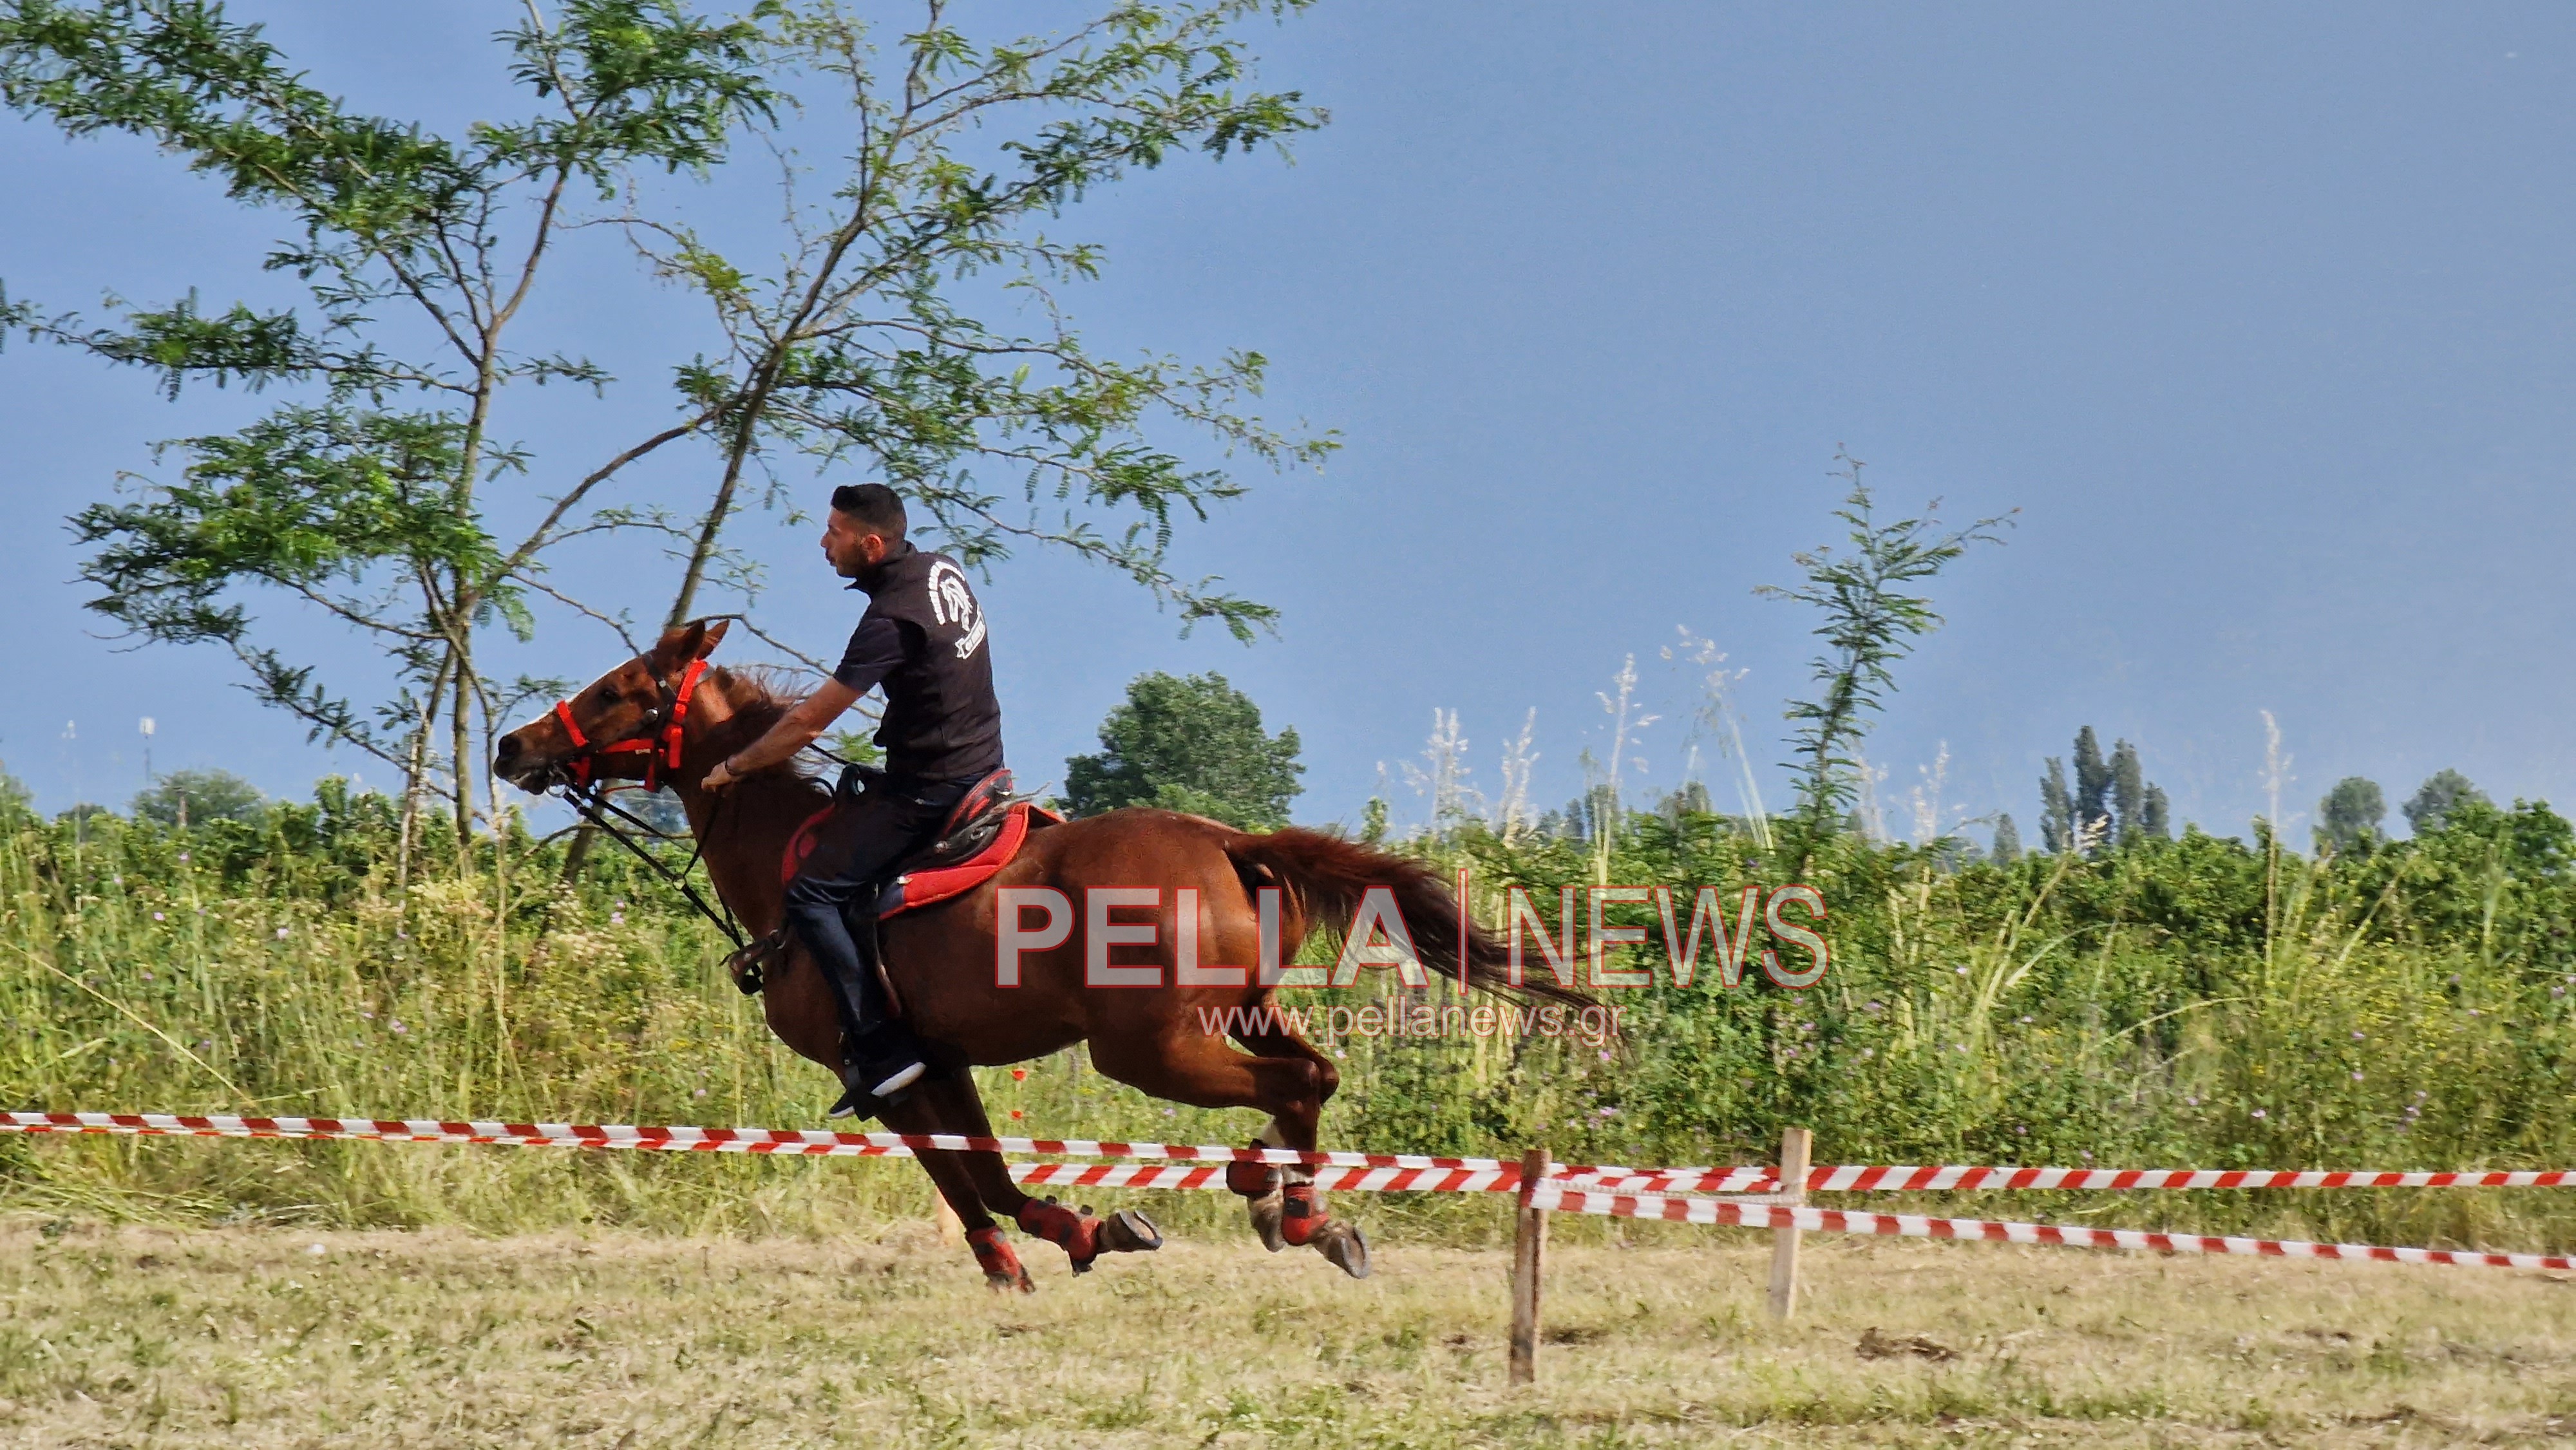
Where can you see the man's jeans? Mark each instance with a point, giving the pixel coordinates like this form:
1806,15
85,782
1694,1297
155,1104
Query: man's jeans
854,851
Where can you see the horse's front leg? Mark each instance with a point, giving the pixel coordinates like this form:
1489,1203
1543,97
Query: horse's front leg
798,1004
1082,1236
950,1172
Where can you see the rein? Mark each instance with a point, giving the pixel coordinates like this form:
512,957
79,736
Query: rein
593,805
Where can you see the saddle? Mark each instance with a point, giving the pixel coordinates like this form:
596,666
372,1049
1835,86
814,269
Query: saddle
982,834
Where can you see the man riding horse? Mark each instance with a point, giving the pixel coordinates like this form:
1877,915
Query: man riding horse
923,638
1224,908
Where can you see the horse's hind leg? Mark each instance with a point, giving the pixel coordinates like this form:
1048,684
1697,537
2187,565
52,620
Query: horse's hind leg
1275,1193
1289,1081
954,1177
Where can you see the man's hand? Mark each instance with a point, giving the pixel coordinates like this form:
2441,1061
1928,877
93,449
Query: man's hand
720,778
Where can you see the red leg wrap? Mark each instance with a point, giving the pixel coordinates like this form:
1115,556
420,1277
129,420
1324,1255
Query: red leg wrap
995,1256
1252,1180
1300,1214
1076,1233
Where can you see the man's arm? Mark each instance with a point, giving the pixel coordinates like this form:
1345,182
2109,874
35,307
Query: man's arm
877,647
795,730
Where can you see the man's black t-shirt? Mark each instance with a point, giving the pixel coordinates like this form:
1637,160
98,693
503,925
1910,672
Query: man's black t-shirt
923,639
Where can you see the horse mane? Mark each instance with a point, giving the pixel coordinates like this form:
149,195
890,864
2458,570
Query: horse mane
760,695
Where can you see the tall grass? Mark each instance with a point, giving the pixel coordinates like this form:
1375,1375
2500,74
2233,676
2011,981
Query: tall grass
2196,1003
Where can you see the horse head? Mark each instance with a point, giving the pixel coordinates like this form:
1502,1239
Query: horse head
622,726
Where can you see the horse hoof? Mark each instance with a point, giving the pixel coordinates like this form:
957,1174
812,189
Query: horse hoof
1267,1213
1129,1232
1344,1247
1004,1283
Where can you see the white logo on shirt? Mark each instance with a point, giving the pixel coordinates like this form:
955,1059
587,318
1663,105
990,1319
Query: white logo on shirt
953,604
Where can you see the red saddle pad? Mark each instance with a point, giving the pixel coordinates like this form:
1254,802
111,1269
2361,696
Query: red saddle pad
922,888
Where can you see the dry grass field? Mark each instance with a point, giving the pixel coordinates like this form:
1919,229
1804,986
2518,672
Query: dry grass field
133,1336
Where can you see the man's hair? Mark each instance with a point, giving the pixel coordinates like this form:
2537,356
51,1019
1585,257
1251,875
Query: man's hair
878,508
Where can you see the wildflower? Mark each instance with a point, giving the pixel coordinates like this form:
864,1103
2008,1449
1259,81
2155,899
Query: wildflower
367,1016
2025,1021
184,856
156,916
2421,1095
702,1092
1605,1054
2474,1012
2356,1077
147,976
1868,1052
1609,1112
2357,1036
1015,1115
2191,1102
2258,1112
398,1028
281,933
617,918
2086,1154
1018,1073
2020,1131
1875,1007
1171,1112
1963,971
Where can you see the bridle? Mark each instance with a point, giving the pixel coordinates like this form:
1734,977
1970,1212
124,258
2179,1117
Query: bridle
588,794
661,750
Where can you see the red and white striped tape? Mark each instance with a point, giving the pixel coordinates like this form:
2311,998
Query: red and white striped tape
1342,1180
1824,1179
1393,1172
1590,1190
1833,1220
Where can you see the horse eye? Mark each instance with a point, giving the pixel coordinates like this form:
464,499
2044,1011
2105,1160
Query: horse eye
608,694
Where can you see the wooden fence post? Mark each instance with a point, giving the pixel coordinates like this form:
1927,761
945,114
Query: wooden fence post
1795,1144
1529,1245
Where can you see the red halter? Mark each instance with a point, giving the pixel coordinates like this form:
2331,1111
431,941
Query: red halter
659,753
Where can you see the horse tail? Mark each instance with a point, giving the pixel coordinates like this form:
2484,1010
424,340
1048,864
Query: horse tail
1325,878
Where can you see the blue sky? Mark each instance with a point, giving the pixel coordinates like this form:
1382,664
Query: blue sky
2260,317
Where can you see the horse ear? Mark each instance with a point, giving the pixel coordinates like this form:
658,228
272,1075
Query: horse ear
682,643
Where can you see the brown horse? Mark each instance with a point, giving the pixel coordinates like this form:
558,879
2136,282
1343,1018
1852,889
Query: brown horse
942,963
